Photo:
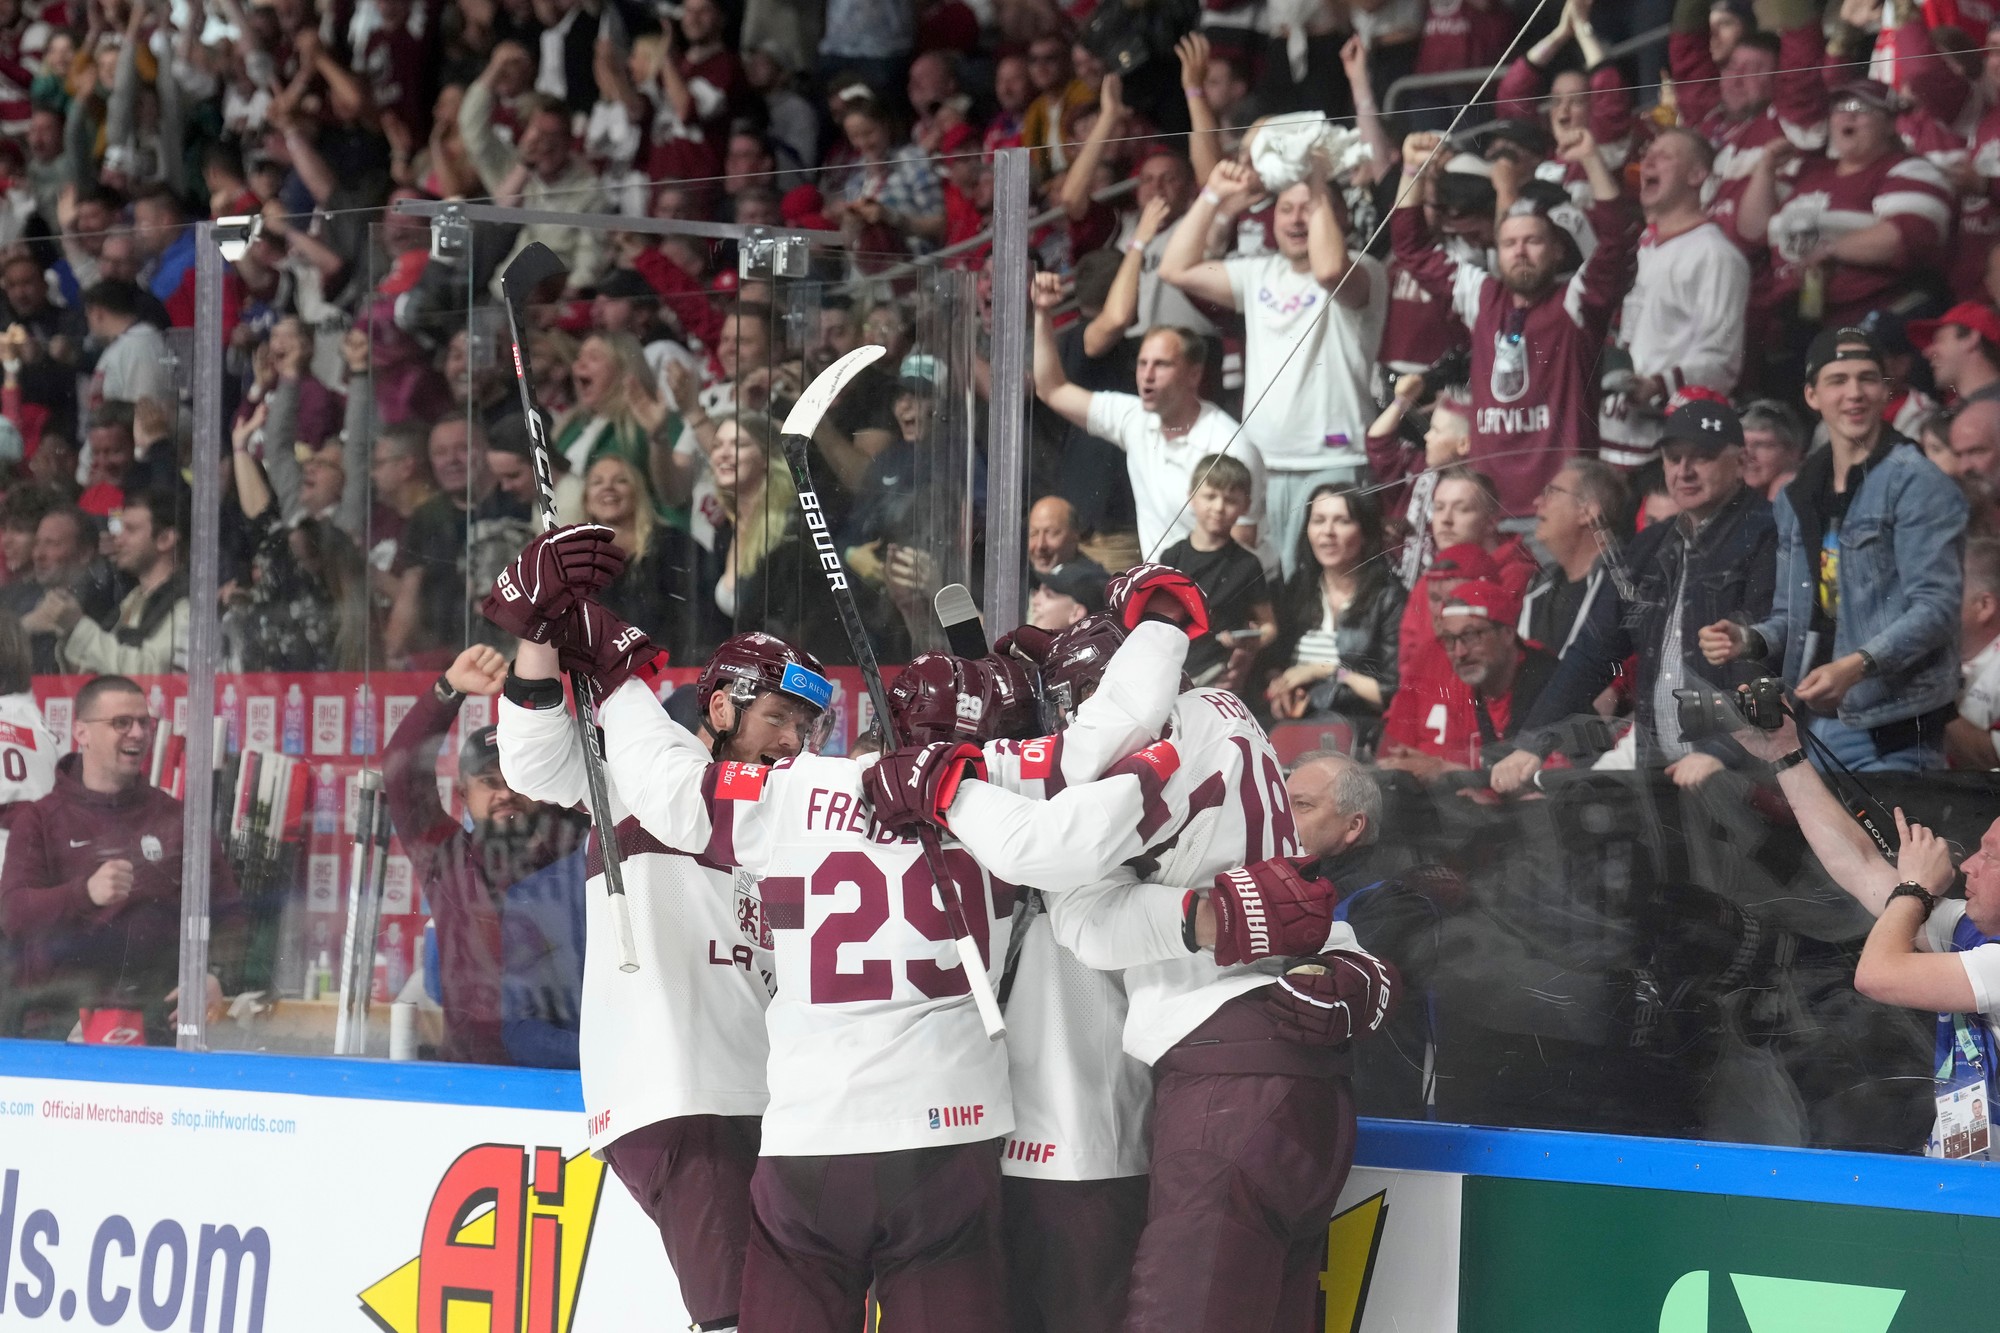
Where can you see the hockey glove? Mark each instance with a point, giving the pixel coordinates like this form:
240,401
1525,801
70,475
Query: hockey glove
1270,910
915,785
592,642
1157,592
540,585
1026,644
1333,999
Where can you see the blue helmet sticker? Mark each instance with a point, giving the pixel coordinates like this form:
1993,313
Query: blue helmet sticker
814,688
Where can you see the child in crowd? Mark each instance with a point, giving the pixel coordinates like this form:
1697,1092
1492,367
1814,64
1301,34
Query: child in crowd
1230,576
1447,440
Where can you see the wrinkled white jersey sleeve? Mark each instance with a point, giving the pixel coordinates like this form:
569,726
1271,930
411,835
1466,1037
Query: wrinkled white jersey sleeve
1131,704
1072,839
541,757
1120,922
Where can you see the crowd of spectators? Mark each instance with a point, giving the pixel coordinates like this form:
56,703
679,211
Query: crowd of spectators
1667,367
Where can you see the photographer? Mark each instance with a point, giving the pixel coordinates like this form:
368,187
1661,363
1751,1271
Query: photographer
1925,952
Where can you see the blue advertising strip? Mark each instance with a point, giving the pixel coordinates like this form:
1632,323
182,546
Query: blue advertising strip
1802,1175
313,1076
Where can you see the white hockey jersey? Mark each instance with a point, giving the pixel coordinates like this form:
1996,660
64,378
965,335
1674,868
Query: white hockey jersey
28,754
875,1043
1225,807
1081,1105
684,1035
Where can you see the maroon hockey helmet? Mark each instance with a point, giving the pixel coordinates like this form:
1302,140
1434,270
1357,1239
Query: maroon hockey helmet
1019,699
749,664
938,697
1077,660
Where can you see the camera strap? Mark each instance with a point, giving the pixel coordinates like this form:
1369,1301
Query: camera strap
1853,792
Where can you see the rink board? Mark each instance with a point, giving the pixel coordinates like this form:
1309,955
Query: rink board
143,1189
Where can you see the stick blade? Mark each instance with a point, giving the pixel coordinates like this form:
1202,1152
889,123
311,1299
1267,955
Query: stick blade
528,270
959,614
826,386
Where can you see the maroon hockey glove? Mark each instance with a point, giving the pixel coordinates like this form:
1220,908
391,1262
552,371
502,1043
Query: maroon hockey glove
1158,592
1334,998
592,642
540,585
1026,644
915,785
1270,910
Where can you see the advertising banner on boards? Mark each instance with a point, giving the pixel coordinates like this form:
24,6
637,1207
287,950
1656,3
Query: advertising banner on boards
132,1206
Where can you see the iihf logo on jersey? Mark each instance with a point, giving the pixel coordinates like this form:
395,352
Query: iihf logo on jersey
957,1117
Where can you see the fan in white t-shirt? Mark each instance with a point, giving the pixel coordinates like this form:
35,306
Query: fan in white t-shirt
1968,738
1164,429
1312,318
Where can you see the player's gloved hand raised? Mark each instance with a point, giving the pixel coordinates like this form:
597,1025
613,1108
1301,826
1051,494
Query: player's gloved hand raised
540,585
592,642
1270,910
1026,644
915,785
1157,592
1334,998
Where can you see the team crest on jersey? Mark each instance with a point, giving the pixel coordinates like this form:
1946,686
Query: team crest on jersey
750,911
1038,757
149,847
740,782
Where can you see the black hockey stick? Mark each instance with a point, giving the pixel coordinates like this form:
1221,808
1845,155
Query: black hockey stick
531,268
797,440
959,614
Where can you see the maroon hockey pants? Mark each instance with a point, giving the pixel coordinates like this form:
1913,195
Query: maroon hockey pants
922,1225
692,1176
1069,1250
1246,1171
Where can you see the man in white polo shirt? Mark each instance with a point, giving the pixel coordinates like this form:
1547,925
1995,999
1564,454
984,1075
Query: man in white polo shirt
1163,429
1925,951
1312,319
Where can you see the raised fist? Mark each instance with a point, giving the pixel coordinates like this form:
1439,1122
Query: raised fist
1270,910
592,642
915,785
1158,592
553,571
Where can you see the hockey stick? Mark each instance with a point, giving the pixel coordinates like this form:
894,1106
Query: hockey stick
529,270
959,614
797,439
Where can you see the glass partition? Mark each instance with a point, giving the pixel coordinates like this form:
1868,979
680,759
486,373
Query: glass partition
1604,949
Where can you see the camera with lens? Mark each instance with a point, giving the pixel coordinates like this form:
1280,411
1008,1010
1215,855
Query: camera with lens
1707,712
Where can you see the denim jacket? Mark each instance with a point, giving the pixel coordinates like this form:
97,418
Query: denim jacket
1901,550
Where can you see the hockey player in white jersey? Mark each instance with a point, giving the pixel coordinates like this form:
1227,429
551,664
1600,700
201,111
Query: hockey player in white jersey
28,749
887,1101
1253,1127
673,1054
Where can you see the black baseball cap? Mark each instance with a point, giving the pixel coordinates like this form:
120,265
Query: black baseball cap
1081,579
1708,424
479,751
1847,343
624,284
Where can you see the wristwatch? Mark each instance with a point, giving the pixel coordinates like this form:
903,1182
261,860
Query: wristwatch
1785,761
1869,666
445,693
1909,888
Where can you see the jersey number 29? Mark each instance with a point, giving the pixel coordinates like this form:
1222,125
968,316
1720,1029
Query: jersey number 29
876,979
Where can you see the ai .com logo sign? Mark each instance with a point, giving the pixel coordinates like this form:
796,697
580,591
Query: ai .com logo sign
504,1245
